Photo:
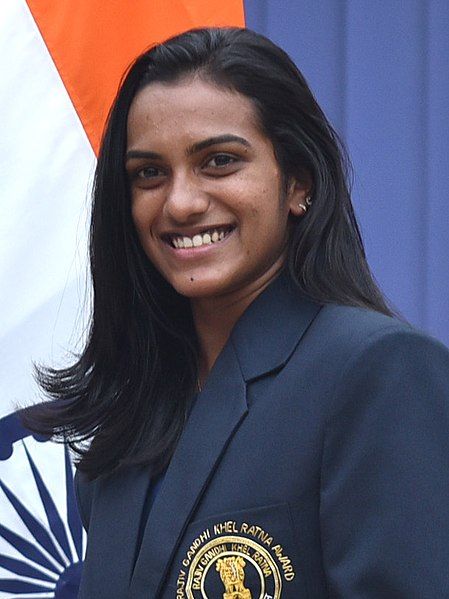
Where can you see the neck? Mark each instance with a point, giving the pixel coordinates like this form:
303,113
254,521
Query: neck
215,317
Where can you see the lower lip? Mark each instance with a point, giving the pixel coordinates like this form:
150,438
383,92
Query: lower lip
197,252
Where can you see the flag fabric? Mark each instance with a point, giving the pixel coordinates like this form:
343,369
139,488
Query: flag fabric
61,64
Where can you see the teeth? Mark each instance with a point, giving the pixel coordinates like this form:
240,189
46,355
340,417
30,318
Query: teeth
198,240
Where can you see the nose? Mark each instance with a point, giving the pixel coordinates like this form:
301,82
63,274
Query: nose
185,200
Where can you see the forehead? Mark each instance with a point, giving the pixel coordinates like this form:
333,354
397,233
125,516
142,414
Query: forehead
190,107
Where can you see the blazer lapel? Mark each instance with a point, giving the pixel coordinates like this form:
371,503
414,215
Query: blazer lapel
270,330
218,411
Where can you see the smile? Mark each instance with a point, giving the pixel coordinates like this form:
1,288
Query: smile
206,237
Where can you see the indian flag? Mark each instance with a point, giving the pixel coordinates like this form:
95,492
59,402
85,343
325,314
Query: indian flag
60,62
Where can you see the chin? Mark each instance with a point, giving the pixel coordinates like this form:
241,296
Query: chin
198,288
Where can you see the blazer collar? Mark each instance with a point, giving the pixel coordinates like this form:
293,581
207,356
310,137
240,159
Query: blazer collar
263,340
269,331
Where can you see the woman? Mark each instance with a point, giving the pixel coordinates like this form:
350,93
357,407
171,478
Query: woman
261,426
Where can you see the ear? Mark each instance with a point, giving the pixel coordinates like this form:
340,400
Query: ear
298,196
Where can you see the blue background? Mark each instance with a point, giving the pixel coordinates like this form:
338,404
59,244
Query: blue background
380,71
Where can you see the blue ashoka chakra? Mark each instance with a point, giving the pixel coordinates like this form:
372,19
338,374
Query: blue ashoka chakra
41,537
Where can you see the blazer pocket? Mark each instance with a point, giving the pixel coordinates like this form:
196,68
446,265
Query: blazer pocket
249,554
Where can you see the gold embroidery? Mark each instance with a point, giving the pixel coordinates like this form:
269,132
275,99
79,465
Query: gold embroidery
241,557
233,577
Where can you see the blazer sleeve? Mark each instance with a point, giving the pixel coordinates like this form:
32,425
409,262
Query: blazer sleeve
83,492
385,474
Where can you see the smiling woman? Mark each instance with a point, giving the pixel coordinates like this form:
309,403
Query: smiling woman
207,199
206,169
259,424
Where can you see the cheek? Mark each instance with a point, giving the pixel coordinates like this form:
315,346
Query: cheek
265,208
141,215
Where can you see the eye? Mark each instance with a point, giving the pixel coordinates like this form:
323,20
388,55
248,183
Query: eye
149,172
146,177
220,161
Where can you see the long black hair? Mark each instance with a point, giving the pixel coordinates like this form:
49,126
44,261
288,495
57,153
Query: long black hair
126,398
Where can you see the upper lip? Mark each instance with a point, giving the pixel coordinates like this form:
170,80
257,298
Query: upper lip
197,230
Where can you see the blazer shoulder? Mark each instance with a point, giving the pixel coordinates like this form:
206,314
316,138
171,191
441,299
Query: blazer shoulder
352,339
352,329
360,321
385,359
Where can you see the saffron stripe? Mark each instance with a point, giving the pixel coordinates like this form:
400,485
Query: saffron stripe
92,42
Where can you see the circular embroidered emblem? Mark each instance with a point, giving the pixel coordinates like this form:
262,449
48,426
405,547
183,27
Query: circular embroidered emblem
237,567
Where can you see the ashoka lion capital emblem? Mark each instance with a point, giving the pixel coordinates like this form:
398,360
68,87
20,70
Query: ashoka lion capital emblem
233,577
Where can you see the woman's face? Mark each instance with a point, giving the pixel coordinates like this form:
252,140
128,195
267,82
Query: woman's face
207,196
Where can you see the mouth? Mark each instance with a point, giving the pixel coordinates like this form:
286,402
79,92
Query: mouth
210,236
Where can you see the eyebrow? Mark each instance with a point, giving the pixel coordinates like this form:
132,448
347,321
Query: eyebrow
142,154
219,139
193,149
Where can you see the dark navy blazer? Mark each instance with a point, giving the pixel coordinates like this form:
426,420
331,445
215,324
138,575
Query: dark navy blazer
314,464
